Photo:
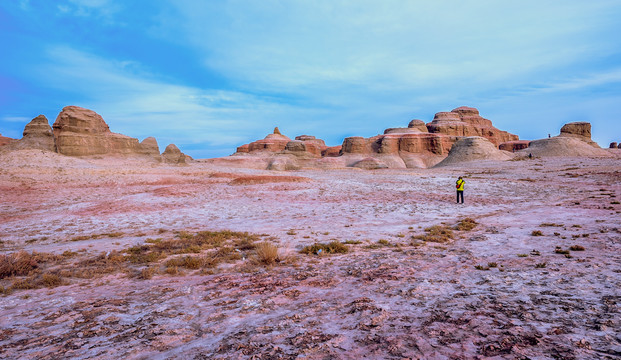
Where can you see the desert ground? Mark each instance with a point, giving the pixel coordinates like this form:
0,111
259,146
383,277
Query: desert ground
125,259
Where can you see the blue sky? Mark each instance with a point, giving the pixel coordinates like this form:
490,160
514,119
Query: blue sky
212,75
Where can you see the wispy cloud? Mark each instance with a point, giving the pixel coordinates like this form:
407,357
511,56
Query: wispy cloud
140,104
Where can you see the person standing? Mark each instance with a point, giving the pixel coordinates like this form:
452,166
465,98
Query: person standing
460,189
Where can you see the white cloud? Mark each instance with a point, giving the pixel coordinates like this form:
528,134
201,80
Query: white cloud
138,104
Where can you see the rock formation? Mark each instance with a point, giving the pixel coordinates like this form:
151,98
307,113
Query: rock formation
419,145
37,135
613,145
83,132
514,145
564,146
172,155
619,146
474,148
466,121
6,140
150,147
274,142
580,131
369,163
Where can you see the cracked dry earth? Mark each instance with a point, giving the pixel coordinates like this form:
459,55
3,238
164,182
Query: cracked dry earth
496,291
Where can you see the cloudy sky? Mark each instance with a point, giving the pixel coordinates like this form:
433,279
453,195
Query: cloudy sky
212,75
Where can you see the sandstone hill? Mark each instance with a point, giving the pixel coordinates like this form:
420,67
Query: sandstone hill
473,148
6,140
564,146
418,145
37,136
573,140
82,132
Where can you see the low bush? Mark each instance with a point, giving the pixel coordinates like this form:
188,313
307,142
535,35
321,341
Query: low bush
333,247
267,253
436,233
466,224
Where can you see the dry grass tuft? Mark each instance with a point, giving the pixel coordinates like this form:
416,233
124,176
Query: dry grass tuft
436,233
536,233
333,247
576,248
466,224
267,253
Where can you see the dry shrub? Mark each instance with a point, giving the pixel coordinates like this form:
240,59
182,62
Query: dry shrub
576,248
466,224
267,253
333,247
51,280
24,284
266,179
22,263
188,262
436,233
536,233
147,273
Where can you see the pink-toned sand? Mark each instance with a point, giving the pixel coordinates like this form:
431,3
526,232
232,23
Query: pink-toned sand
425,301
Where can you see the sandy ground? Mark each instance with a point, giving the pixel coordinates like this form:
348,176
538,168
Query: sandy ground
406,299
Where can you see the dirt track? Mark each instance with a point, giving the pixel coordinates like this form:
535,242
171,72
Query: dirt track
401,298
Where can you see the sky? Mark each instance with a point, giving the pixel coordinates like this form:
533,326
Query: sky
209,76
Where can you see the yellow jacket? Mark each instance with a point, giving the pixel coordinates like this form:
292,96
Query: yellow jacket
460,185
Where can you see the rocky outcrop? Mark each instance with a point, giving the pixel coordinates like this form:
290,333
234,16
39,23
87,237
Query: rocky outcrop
332,151
83,132
613,145
369,163
6,140
579,130
564,146
419,145
513,146
274,142
150,147
473,148
466,121
172,155
37,135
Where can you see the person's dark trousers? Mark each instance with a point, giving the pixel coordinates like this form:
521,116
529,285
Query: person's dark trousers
460,194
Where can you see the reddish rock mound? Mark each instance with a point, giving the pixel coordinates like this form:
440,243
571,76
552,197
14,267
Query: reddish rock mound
514,145
265,179
370,164
83,132
6,140
37,136
466,121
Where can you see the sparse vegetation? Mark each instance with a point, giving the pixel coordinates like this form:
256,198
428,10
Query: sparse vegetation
522,255
466,224
436,233
31,270
267,253
333,247
481,267
550,225
492,264
560,250
576,248
536,233
540,265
